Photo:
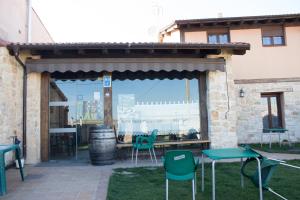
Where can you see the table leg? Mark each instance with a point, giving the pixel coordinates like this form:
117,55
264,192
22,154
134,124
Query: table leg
76,145
279,140
270,144
18,157
2,175
213,180
259,177
242,177
261,139
202,174
289,138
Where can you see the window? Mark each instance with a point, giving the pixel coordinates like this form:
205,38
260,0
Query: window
75,106
273,36
272,110
218,36
140,106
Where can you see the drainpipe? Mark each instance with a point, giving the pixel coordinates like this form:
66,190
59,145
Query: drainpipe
16,55
29,20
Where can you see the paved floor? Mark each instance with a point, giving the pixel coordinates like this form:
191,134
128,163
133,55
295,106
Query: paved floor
62,181
65,180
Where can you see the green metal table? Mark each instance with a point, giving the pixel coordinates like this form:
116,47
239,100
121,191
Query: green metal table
4,149
229,153
271,131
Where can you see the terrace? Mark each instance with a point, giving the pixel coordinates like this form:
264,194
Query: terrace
69,180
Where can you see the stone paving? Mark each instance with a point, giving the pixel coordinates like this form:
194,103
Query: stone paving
76,181
63,181
59,182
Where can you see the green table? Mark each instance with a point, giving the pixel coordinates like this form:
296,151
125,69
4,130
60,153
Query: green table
229,153
4,149
270,131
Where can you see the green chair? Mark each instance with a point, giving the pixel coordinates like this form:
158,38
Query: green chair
268,167
180,165
144,143
3,150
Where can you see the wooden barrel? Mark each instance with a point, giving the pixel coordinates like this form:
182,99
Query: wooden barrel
102,145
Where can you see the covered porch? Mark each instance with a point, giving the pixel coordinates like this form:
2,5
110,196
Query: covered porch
185,91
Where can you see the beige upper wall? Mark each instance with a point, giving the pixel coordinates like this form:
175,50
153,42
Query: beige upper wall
174,36
13,20
261,62
267,62
13,15
196,36
39,31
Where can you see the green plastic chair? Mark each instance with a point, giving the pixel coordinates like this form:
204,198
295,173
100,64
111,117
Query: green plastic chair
144,143
180,165
268,167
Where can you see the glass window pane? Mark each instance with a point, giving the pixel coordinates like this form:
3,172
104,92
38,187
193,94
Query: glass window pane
212,39
274,113
278,40
265,113
223,38
140,106
267,41
75,106
84,101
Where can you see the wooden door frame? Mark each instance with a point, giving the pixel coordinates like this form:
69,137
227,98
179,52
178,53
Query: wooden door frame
203,105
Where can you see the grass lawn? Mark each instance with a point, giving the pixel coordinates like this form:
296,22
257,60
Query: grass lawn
149,184
294,149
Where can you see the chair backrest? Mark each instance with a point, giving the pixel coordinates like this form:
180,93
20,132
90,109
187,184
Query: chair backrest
179,162
267,170
153,135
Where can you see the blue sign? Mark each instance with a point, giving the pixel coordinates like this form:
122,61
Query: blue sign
106,81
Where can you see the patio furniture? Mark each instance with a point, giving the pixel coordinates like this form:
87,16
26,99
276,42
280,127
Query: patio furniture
230,153
180,165
59,132
144,143
168,143
4,149
272,131
268,167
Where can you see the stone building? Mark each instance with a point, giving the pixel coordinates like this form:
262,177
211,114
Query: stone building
22,26
84,72
89,78
266,79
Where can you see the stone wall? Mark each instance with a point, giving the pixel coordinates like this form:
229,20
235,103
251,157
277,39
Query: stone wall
11,100
221,107
249,119
33,137
11,107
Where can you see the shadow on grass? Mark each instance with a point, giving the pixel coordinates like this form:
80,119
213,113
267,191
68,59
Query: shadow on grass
149,184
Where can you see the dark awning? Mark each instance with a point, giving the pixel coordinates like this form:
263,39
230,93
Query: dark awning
125,64
121,57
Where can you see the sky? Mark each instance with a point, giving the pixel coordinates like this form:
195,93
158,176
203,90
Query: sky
140,20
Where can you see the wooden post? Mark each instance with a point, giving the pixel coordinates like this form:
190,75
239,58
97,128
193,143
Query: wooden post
203,105
107,92
45,81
